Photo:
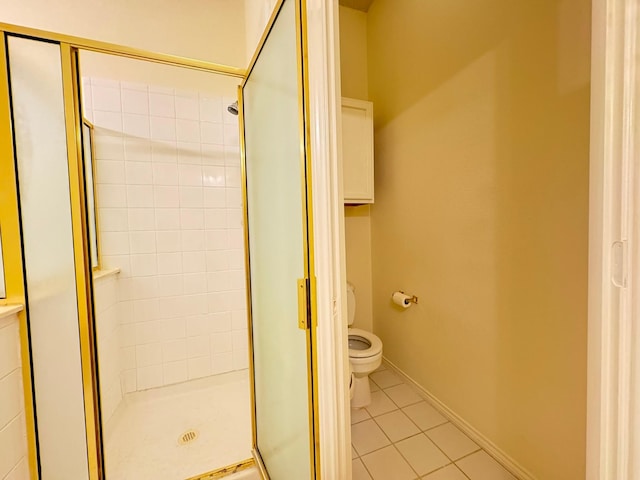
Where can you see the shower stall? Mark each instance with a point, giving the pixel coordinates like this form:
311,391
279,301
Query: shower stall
162,208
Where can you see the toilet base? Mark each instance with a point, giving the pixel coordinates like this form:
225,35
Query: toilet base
361,391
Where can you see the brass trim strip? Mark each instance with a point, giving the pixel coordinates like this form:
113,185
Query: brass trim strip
260,464
307,194
123,51
247,267
13,258
226,471
75,148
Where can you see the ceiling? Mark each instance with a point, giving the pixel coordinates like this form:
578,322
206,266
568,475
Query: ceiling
357,4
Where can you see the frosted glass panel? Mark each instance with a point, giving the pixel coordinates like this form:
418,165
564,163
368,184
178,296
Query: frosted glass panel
275,208
39,129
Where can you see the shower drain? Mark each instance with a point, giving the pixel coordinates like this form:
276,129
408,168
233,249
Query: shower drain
187,437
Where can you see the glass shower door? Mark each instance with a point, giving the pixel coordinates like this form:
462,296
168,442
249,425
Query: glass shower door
280,269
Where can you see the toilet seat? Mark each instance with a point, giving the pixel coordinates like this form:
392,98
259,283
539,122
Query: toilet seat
373,340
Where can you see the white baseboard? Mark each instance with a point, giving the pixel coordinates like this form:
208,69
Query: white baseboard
491,448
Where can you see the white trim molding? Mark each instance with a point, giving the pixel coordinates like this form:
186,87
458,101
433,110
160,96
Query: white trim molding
612,404
328,215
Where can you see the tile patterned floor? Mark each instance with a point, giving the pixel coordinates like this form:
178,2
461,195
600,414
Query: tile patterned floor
400,436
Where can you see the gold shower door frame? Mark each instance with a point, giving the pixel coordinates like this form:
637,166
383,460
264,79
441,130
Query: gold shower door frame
10,224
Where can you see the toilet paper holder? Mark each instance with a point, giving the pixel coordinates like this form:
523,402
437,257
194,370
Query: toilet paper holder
412,298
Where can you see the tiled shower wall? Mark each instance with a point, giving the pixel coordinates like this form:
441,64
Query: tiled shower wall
169,209
13,435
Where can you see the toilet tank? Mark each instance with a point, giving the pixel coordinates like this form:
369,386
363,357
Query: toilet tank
351,304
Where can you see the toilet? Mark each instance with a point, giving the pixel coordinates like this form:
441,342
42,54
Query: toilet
365,355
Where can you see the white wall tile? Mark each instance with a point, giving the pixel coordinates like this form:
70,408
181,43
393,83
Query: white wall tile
220,322
187,107
113,219
149,354
135,125
168,241
175,372
199,367
140,219
110,121
108,147
239,319
139,173
213,154
114,243
173,224
164,152
169,263
129,381
163,128
142,242
190,175
217,261
210,109
166,196
144,265
217,240
233,197
232,176
174,350
191,197
218,281
162,105
193,262
222,362
214,197
140,196
192,240
221,342
231,134
189,153
167,218
198,346
231,155
211,133
213,176
169,285
195,283
240,359
135,101
234,218
165,174
149,377
128,357
235,259
137,149
191,219
106,98
112,196
215,218
188,131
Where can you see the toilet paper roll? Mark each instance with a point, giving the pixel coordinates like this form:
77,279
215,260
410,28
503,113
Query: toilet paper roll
401,299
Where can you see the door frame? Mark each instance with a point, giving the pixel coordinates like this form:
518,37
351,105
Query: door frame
612,404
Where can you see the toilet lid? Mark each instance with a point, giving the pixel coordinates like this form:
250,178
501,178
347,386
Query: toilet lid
374,349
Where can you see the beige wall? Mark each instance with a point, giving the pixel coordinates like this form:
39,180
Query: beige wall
354,83
482,135
207,30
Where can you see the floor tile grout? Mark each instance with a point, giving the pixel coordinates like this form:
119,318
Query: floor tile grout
398,408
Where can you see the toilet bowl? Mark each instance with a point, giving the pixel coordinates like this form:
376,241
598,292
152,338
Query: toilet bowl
365,355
